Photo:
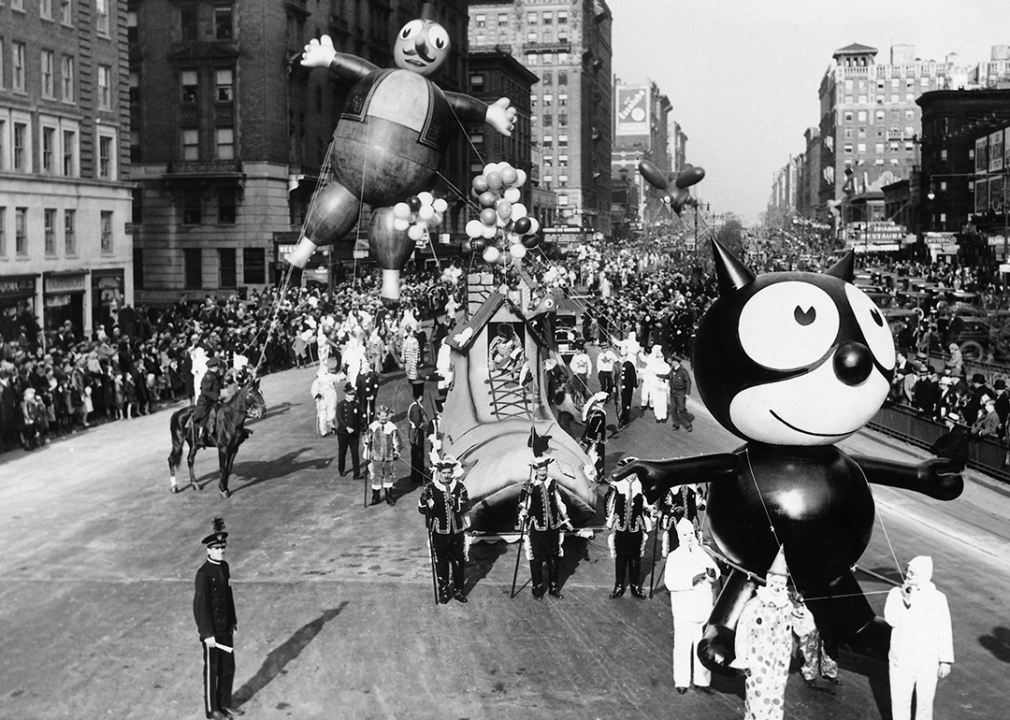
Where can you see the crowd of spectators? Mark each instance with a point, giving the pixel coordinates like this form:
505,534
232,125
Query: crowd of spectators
52,381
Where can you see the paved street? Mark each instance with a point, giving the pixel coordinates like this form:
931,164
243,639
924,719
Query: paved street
334,600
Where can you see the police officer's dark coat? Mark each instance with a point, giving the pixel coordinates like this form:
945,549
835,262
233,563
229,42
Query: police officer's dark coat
213,604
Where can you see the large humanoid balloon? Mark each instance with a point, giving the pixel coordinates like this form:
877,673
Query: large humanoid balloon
793,362
390,138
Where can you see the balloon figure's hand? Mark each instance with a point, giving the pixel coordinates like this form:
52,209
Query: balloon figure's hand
501,116
716,650
940,478
319,53
649,474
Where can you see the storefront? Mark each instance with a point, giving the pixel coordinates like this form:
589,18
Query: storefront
63,299
108,290
17,296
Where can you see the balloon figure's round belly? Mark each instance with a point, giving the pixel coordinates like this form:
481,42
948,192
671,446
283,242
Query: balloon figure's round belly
816,499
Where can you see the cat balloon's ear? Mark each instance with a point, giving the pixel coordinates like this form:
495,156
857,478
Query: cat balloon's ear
731,273
844,269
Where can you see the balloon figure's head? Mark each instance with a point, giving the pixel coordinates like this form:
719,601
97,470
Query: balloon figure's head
422,46
792,358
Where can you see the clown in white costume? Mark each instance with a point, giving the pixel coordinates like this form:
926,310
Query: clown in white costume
656,383
354,359
764,645
690,574
922,645
324,391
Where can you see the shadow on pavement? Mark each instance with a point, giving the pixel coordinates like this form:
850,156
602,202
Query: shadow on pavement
274,410
257,471
278,658
483,557
998,643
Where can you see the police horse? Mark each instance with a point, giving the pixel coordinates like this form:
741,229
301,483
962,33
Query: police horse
227,432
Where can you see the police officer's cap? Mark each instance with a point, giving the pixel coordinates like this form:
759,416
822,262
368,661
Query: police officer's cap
219,537
213,363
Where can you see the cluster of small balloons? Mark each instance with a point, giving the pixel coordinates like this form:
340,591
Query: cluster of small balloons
504,230
418,215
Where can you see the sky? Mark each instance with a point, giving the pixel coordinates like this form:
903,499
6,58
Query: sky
743,75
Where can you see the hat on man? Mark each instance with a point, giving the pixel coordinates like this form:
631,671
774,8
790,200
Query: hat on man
779,564
978,378
591,402
349,389
219,537
1000,384
447,462
213,363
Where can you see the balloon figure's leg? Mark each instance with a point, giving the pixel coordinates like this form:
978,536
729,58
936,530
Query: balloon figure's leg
716,649
332,214
844,616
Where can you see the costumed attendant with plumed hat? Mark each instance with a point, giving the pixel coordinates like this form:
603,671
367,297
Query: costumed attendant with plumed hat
764,644
214,610
382,449
629,518
594,437
541,503
446,506
689,576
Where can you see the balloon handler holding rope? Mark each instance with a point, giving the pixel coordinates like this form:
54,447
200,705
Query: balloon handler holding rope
793,362
392,133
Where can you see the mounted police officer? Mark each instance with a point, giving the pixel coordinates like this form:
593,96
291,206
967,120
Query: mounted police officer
210,395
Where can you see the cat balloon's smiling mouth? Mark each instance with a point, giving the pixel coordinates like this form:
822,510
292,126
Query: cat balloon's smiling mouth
806,432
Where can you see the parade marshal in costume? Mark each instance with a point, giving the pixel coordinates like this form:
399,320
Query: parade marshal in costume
214,610
446,506
541,504
629,519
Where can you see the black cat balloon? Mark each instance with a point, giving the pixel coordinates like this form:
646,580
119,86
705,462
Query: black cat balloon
793,362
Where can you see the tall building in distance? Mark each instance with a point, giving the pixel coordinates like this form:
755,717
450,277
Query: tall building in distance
65,247
641,122
869,118
567,44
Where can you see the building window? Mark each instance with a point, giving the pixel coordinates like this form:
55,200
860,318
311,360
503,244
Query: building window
548,119
46,9
193,262
105,87
562,181
548,58
848,116
548,100
225,141
105,169
102,17
21,231
531,37
562,120
138,268
254,266
503,19
70,232
192,210
188,23
223,78
21,148
226,267
69,153
226,205
531,18
532,59
480,20
548,17
848,132
188,80
48,149
49,223
861,147
134,82
222,23
18,5
847,149
106,232
191,144
67,78
18,67
477,82
879,148
562,17
66,12
562,140
3,232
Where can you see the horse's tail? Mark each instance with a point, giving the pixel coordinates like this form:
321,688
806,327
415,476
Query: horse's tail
178,427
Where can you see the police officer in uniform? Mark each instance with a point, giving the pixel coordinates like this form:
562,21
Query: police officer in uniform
541,504
446,505
214,610
348,431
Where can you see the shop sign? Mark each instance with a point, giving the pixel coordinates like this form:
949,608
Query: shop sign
64,283
17,286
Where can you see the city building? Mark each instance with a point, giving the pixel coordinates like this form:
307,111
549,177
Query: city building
964,168
870,119
231,134
65,245
494,73
567,44
641,122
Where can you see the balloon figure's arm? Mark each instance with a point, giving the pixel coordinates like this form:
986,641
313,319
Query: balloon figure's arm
658,476
500,115
937,477
321,53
